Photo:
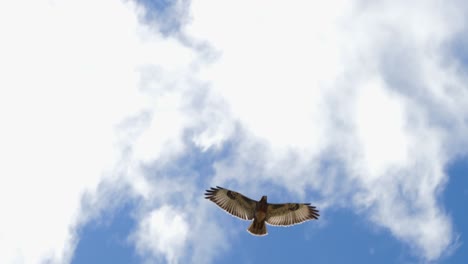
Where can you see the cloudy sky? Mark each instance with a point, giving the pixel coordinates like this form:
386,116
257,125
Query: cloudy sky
117,115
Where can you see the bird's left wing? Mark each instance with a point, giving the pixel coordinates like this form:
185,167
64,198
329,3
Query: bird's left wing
290,213
232,202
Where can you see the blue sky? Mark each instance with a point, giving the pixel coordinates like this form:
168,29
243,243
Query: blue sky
117,115
346,236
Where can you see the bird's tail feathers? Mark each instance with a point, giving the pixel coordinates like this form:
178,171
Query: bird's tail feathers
258,228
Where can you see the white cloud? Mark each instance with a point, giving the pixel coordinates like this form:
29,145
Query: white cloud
71,76
368,85
380,128
163,231
89,92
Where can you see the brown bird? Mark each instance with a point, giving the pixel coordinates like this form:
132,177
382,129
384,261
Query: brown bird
261,212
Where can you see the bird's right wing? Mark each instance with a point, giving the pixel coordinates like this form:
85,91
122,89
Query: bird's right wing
232,202
290,213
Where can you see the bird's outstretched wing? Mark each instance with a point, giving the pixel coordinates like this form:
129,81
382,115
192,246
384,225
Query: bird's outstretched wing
232,202
290,213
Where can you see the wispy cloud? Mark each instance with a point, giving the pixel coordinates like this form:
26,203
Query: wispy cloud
71,79
369,86
353,104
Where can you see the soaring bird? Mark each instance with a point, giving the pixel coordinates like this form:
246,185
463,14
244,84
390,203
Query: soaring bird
261,212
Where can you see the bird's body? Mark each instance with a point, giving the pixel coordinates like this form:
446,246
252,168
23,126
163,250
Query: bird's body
261,212
258,226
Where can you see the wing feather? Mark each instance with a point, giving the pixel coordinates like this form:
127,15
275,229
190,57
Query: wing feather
290,213
232,202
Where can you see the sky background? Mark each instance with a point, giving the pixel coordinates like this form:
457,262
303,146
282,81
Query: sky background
117,115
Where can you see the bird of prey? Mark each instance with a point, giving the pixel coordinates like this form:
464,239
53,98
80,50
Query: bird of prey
261,212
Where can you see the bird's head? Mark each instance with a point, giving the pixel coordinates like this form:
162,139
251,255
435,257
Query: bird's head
264,199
